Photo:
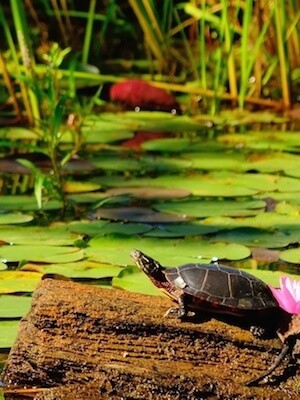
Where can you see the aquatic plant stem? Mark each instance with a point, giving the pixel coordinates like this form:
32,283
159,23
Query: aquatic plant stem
282,52
245,51
21,28
88,32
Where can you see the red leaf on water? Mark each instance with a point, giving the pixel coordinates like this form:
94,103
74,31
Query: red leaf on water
134,93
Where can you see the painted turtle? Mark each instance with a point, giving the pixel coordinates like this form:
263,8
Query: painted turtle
221,289
209,287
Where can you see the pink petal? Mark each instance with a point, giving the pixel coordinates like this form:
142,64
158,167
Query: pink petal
297,308
292,287
284,297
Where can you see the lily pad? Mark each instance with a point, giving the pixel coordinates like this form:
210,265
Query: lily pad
54,236
133,280
19,133
3,266
218,161
40,253
83,269
99,135
116,250
254,181
135,214
116,163
24,203
180,230
270,220
198,185
287,184
14,218
291,256
270,277
149,193
255,237
171,145
9,331
18,281
14,306
155,121
102,228
79,187
263,140
207,208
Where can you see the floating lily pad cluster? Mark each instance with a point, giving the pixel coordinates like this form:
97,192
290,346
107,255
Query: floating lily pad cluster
193,196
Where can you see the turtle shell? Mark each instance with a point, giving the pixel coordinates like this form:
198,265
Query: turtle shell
211,285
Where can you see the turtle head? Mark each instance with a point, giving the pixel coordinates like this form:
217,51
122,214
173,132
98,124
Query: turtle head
146,263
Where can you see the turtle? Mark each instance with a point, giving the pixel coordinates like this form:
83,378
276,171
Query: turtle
209,287
220,289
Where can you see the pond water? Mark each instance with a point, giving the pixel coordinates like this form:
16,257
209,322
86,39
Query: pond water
224,189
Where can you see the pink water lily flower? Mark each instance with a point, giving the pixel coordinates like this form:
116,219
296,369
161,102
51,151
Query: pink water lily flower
288,296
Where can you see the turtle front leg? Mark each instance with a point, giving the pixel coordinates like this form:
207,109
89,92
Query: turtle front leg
180,311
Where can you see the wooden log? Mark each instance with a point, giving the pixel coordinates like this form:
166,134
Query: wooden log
114,344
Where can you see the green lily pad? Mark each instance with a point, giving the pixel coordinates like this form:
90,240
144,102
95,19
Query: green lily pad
52,236
116,250
14,306
25,203
155,121
198,185
270,277
200,208
83,269
79,187
263,140
217,161
18,281
270,220
255,238
286,184
40,253
133,280
290,197
291,256
9,331
14,218
115,162
287,208
104,135
164,164
135,214
149,193
171,145
2,266
258,182
180,230
19,133
293,171
274,162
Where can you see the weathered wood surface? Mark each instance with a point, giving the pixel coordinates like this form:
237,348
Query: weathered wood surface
117,345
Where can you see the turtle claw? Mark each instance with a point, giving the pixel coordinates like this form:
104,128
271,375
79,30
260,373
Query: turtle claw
178,312
257,331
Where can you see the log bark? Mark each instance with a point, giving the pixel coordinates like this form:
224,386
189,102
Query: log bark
79,339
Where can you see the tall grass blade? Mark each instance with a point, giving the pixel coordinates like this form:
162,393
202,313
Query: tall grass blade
88,32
